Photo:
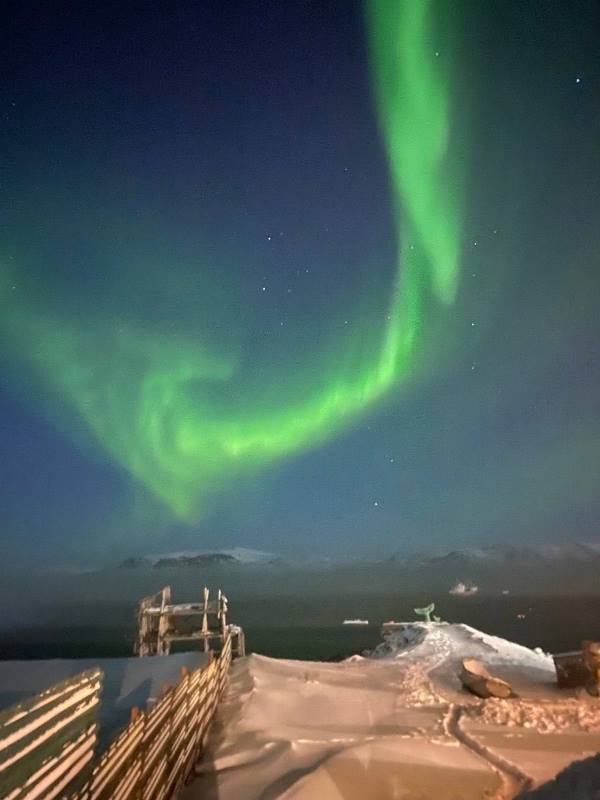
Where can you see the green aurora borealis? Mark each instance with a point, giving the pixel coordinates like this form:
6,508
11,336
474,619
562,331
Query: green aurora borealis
175,411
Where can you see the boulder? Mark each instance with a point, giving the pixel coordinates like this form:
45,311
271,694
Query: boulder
475,677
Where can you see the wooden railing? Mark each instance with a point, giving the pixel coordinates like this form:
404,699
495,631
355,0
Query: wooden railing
162,622
47,742
151,758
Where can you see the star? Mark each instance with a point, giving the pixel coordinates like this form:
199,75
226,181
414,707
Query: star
473,324
268,238
376,503
577,79
263,289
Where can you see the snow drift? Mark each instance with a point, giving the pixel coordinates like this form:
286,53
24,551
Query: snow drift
396,724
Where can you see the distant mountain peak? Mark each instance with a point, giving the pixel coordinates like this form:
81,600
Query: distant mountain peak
500,553
201,558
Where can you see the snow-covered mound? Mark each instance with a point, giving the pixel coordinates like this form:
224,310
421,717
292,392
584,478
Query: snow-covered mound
396,724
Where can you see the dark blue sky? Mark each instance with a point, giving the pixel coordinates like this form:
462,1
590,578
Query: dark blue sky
141,139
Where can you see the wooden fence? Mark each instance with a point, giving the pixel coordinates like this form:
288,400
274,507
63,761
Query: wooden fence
47,742
155,754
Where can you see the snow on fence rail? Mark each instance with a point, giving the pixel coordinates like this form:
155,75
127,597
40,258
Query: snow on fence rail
47,741
154,755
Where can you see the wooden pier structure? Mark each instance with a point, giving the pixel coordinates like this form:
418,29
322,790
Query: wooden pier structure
162,622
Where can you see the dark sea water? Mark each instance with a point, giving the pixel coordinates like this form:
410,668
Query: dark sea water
296,616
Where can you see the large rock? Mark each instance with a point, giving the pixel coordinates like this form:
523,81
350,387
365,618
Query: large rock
476,678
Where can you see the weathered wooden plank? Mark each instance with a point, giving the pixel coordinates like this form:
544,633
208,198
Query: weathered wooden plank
66,771
183,609
50,695
47,740
22,742
86,740
112,766
158,745
155,780
31,762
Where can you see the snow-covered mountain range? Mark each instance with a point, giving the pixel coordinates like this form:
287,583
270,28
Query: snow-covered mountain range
195,558
504,554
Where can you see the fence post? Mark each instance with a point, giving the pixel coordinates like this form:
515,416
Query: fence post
163,645
198,714
169,742
143,747
205,619
187,730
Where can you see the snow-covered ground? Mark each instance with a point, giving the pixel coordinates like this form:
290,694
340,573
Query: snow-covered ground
397,725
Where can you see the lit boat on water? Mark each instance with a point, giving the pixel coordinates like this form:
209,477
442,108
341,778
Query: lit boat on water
464,589
356,622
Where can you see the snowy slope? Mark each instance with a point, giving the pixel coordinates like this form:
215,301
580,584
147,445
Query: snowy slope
394,725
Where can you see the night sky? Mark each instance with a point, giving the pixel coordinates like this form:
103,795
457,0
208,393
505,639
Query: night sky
309,277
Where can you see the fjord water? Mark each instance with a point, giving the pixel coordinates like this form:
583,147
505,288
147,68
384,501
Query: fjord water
287,612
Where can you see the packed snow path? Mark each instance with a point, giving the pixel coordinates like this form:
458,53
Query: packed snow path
395,725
